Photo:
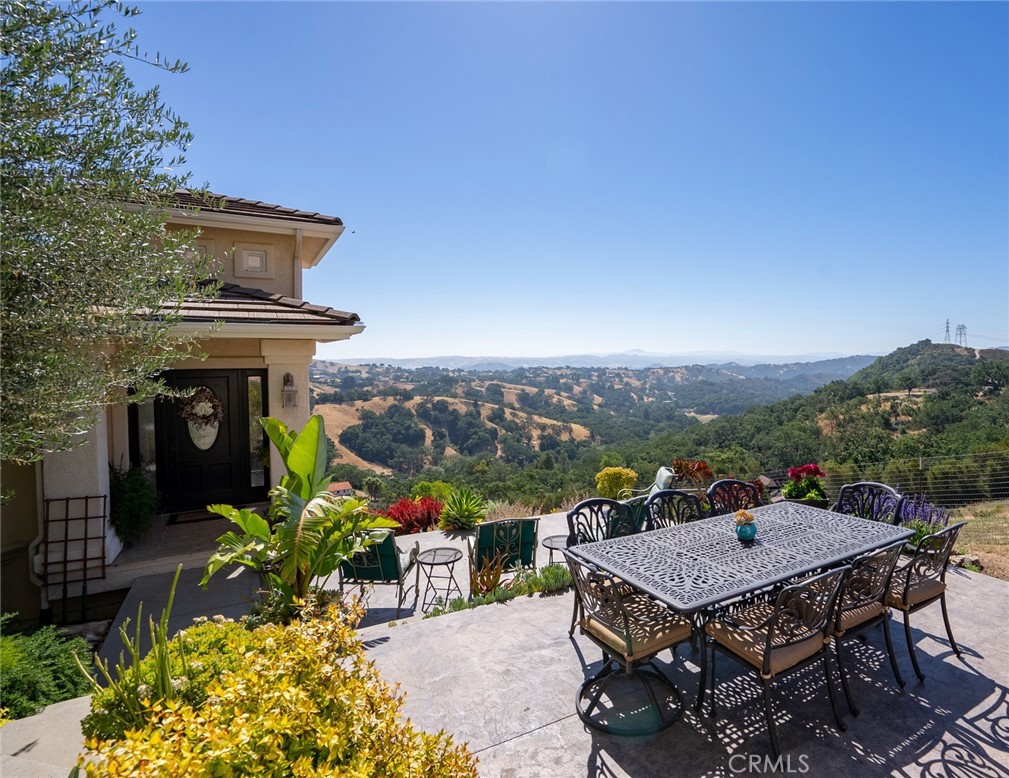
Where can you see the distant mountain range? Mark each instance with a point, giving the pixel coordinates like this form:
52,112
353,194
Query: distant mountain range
633,360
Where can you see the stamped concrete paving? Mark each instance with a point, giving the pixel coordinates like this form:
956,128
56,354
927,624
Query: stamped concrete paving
504,677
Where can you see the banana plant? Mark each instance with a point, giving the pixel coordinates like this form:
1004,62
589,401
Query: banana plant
312,531
304,455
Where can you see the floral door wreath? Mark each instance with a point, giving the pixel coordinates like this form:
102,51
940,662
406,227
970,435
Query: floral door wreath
203,408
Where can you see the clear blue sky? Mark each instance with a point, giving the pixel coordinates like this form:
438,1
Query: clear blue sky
553,178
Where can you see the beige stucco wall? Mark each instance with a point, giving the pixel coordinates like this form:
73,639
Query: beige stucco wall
225,244
18,528
226,353
281,357
19,525
83,472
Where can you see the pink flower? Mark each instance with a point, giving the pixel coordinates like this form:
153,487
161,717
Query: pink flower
812,470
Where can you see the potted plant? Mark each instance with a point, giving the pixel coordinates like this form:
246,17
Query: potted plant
805,486
746,527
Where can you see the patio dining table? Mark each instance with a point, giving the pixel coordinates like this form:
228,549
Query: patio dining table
695,566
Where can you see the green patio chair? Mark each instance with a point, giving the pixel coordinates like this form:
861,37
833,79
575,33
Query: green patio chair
382,563
509,542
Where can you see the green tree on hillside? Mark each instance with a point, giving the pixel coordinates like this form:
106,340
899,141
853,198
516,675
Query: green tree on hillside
990,377
88,161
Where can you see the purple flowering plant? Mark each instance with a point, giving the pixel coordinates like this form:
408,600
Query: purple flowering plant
923,517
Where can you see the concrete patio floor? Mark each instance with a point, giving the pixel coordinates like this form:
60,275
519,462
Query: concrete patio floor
504,679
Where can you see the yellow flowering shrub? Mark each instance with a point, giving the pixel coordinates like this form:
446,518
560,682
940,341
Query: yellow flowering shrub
304,702
611,481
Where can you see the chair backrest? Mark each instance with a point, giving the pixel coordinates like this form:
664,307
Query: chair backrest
378,562
869,500
868,580
671,506
929,561
636,513
599,518
802,611
730,495
513,540
601,596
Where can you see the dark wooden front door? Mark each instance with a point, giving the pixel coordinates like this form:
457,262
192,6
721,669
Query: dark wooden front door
201,464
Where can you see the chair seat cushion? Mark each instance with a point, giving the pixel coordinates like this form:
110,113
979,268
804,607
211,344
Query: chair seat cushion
920,592
749,644
663,630
853,617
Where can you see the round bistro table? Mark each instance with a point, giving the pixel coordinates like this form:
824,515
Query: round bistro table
439,565
555,543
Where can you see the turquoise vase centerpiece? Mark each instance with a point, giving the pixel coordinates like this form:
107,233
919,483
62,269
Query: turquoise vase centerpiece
746,529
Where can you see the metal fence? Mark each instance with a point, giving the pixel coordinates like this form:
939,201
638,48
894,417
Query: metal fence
974,487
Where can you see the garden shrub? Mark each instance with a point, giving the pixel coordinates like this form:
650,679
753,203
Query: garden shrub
38,668
463,510
611,481
133,503
196,657
414,515
552,578
923,517
303,701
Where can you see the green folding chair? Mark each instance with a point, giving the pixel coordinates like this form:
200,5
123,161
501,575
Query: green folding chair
509,542
382,563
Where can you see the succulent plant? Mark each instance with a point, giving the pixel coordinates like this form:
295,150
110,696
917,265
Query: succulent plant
462,510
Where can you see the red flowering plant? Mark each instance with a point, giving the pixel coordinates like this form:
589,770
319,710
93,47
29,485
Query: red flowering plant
805,483
414,515
696,472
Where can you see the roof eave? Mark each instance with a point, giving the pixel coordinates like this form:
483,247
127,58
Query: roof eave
330,233
320,333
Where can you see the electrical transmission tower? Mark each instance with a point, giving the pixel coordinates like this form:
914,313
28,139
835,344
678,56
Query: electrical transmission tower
961,334
946,339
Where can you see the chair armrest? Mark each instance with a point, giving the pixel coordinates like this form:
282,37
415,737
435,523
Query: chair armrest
744,627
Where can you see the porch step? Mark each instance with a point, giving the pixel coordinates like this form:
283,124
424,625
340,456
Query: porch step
230,595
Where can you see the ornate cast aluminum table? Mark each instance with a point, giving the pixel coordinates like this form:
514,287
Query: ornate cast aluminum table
691,567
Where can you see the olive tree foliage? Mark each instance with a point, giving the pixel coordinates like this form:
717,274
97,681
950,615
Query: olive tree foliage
90,279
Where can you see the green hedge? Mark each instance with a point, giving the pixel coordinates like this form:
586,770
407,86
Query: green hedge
37,669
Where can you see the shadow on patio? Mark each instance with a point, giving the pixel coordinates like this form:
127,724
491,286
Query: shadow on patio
504,677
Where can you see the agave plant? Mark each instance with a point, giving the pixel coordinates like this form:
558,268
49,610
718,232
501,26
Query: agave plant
462,510
312,531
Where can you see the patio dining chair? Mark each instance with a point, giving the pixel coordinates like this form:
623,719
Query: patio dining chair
670,507
775,639
862,604
730,495
869,500
510,543
597,518
382,563
631,629
921,581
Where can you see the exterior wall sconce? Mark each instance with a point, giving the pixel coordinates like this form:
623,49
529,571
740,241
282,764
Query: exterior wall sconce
289,394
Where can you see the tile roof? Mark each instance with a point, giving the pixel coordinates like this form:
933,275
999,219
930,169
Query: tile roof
245,305
239,206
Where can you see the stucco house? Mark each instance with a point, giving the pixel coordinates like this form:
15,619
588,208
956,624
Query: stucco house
261,338
341,489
